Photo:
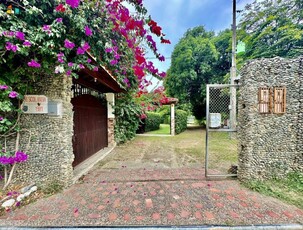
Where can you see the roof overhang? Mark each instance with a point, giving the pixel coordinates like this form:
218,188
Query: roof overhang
101,80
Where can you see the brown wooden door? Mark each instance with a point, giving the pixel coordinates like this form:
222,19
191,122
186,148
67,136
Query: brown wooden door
90,127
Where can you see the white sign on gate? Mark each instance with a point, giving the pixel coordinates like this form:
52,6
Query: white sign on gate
35,104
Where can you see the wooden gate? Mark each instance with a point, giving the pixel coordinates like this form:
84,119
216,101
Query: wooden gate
90,127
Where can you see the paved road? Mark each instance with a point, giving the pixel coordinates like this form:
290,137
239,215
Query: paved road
149,197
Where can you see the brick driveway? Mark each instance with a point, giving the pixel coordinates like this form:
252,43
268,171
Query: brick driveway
149,197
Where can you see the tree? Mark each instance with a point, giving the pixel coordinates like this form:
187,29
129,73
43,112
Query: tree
272,29
198,59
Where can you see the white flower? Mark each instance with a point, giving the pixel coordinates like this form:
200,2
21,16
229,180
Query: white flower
59,69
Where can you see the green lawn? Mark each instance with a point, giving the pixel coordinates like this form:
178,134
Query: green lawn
289,189
164,129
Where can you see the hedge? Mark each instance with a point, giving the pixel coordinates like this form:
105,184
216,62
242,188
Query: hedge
181,121
152,122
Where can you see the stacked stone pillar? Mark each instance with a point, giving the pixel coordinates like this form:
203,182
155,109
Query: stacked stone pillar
270,145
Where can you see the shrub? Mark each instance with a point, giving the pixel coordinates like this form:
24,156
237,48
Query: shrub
181,121
166,119
164,112
152,122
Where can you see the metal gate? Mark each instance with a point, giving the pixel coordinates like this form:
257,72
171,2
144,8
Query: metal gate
221,156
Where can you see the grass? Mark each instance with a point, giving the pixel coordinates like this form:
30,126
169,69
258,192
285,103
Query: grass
289,189
164,129
190,146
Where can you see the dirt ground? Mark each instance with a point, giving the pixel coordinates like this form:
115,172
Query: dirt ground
184,150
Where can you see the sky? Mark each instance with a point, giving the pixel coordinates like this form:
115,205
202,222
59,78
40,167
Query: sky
177,16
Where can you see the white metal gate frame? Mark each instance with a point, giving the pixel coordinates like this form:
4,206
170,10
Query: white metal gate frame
217,86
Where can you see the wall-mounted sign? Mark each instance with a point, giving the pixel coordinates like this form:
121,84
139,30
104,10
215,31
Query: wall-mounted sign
214,120
36,104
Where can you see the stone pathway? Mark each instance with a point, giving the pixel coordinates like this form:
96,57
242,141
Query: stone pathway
150,197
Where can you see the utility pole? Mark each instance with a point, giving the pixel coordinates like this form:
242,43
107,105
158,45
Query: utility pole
233,72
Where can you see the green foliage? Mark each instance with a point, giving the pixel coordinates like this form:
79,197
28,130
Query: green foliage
8,109
289,189
198,59
268,29
164,112
181,121
152,121
272,29
127,113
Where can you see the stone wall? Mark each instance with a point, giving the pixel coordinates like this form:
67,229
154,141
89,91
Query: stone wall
270,145
50,151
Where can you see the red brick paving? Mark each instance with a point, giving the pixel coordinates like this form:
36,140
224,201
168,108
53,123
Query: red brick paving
156,216
51,217
170,216
198,215
173,197
112,216
209,215
149,203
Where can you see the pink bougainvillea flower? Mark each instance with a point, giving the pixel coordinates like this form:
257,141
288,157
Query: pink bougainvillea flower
88,31
117,56
73,3
33,64
70,64
8,33
20,157
60,57
13,94
126,81
76,212
60,8
163,74
1,119
86,46
138,71
80,51
19,35
27,43
152,42
114,62
89,60
96,68
46,28
81,66
108,50
68,72
155,28
140,59
10,46
68,44
161,58
3,87
165,41
59,20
